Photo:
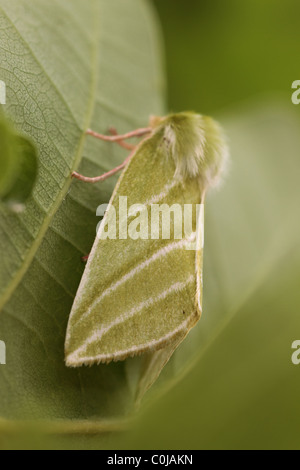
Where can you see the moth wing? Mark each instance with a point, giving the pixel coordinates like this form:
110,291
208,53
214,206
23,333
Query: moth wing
138,295
154,362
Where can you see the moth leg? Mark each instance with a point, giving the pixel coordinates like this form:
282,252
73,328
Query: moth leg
122,143
120,137
112,138
103,177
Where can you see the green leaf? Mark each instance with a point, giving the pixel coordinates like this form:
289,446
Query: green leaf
18,165
68,66
233,382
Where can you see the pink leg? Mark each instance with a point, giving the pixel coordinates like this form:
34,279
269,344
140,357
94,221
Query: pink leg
118,138
113,138
122,143
103,177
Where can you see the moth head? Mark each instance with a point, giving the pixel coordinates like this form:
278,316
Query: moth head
197,146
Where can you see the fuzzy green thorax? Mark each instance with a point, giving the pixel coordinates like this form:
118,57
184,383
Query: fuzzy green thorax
195,143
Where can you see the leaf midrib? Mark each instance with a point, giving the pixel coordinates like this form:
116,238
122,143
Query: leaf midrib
48,218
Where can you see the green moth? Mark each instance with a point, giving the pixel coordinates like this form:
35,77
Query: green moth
141,292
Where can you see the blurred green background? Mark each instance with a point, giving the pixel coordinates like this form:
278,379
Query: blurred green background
220,52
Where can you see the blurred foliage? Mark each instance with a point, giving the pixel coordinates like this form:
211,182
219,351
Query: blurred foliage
220,52
18,165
